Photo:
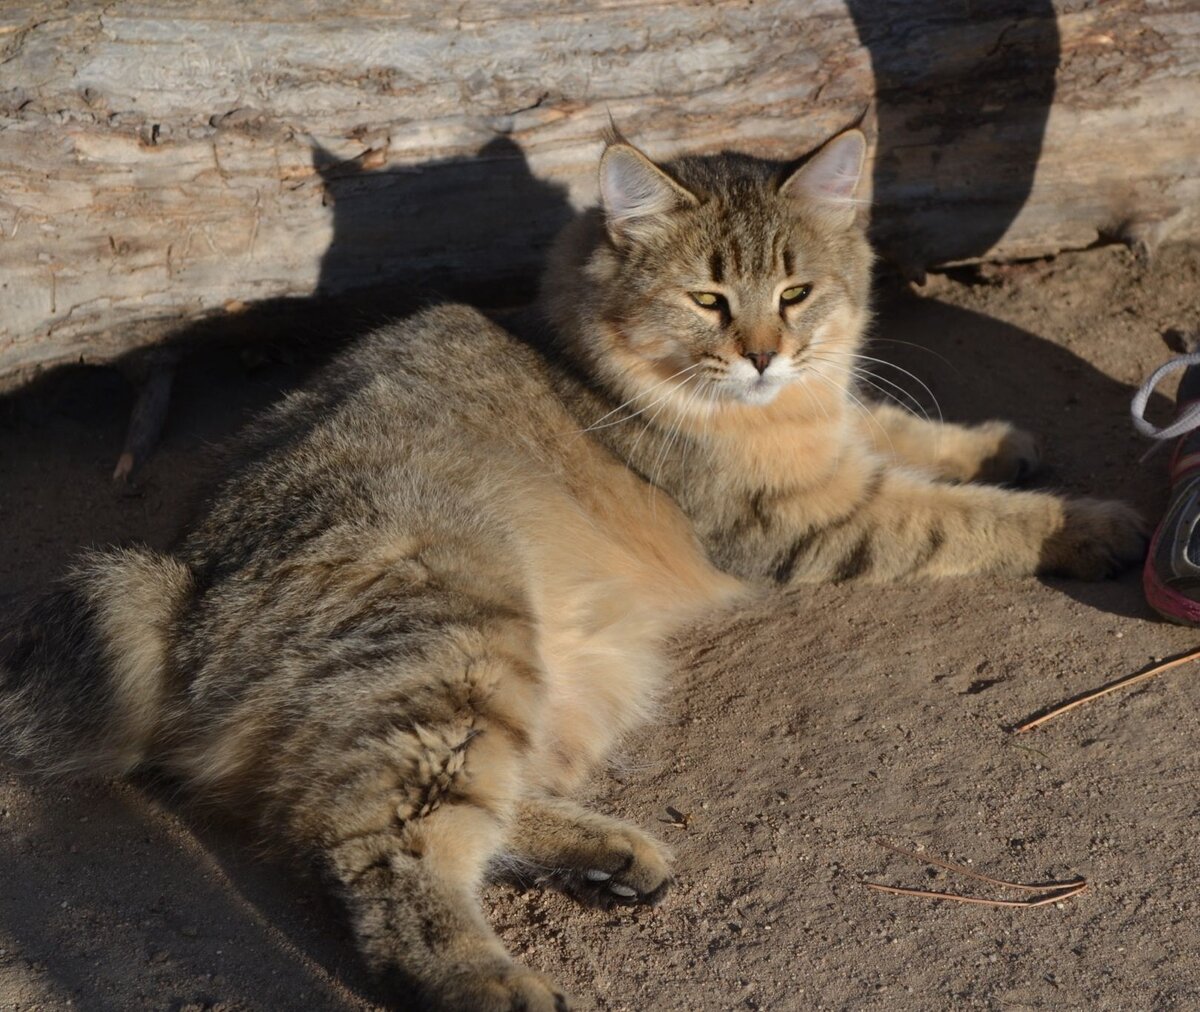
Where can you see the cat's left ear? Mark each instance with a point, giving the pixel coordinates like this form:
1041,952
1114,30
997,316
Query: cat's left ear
635,192
828,181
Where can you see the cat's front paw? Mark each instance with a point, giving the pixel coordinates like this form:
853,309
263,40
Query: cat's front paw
1098,539
626,866
1012,457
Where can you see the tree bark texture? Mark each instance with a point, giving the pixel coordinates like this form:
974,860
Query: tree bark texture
162,161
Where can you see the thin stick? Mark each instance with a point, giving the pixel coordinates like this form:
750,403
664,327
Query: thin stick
1076,884
1120,683
1062,894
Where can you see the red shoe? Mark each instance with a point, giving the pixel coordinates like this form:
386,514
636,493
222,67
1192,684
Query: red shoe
1171,576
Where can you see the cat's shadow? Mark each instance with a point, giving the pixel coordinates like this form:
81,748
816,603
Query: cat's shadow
114,901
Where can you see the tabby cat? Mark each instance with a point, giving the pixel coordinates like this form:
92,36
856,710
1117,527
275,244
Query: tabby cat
432,592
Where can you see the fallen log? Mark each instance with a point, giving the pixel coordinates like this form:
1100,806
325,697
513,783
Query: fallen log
167,161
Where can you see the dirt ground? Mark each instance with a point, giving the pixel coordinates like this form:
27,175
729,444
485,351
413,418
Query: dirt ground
797,731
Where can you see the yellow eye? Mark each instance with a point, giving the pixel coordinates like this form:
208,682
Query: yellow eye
709,300
790,296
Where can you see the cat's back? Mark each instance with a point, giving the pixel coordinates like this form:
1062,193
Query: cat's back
443,364
424,411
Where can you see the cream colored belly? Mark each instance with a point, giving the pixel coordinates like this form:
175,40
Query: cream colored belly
613,573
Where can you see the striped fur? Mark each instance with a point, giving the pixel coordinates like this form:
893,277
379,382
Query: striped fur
792,475
432,591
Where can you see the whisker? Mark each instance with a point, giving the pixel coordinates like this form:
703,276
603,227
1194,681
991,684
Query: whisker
813,400
675,434
912,376
641,393
648,423
870,378
919,347
858,405
672,432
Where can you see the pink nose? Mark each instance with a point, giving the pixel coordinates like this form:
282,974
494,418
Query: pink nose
760,359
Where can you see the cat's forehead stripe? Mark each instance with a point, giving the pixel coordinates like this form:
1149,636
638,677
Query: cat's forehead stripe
716,266
735,254
776,249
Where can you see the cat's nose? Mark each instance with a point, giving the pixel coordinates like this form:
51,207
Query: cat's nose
760,359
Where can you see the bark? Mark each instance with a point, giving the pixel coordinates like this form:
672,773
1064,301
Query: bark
168,160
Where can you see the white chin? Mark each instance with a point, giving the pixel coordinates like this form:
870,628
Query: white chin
758,391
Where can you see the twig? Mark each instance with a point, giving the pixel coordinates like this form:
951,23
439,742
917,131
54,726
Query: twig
1057,890
971,873
1120,683
1062,894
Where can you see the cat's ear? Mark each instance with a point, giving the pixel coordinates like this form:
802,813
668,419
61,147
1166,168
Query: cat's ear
828,181
636,193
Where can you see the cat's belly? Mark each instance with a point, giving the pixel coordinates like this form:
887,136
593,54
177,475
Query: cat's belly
612,575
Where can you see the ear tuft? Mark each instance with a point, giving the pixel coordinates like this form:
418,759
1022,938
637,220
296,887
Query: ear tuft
830,178
635,191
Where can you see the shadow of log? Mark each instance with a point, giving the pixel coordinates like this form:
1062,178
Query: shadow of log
359,286
924,109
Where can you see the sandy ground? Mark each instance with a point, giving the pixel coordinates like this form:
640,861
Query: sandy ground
796,732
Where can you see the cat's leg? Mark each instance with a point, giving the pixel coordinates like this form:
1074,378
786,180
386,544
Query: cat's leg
412,897
993,451
884,523
603,860
407,784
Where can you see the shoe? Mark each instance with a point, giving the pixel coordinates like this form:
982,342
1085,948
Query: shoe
1171,576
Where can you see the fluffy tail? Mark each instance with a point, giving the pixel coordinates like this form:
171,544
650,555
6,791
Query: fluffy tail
84,680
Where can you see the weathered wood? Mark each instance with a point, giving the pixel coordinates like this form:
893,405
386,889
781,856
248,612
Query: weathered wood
164,160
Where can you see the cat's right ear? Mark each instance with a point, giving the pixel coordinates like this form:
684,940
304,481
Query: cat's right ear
828,181
636,193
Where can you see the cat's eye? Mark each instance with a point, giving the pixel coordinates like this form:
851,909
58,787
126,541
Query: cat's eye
795,294
709,300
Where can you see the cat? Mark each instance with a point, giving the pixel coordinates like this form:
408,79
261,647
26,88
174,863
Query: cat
432,591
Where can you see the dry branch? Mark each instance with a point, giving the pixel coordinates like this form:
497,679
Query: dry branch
1120,683
1044,893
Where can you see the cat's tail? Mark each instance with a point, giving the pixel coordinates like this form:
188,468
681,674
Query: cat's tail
84,679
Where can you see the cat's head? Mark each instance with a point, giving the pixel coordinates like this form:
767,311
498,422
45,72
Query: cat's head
727,277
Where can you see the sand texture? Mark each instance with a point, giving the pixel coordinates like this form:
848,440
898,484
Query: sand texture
797,730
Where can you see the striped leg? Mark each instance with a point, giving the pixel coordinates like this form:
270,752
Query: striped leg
412,901
904,524
410,798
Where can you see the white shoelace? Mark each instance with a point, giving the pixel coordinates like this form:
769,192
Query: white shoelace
1186,421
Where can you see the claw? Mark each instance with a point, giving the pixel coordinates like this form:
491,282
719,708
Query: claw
596,875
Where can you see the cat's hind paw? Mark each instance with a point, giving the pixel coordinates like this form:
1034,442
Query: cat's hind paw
513,989
624,867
